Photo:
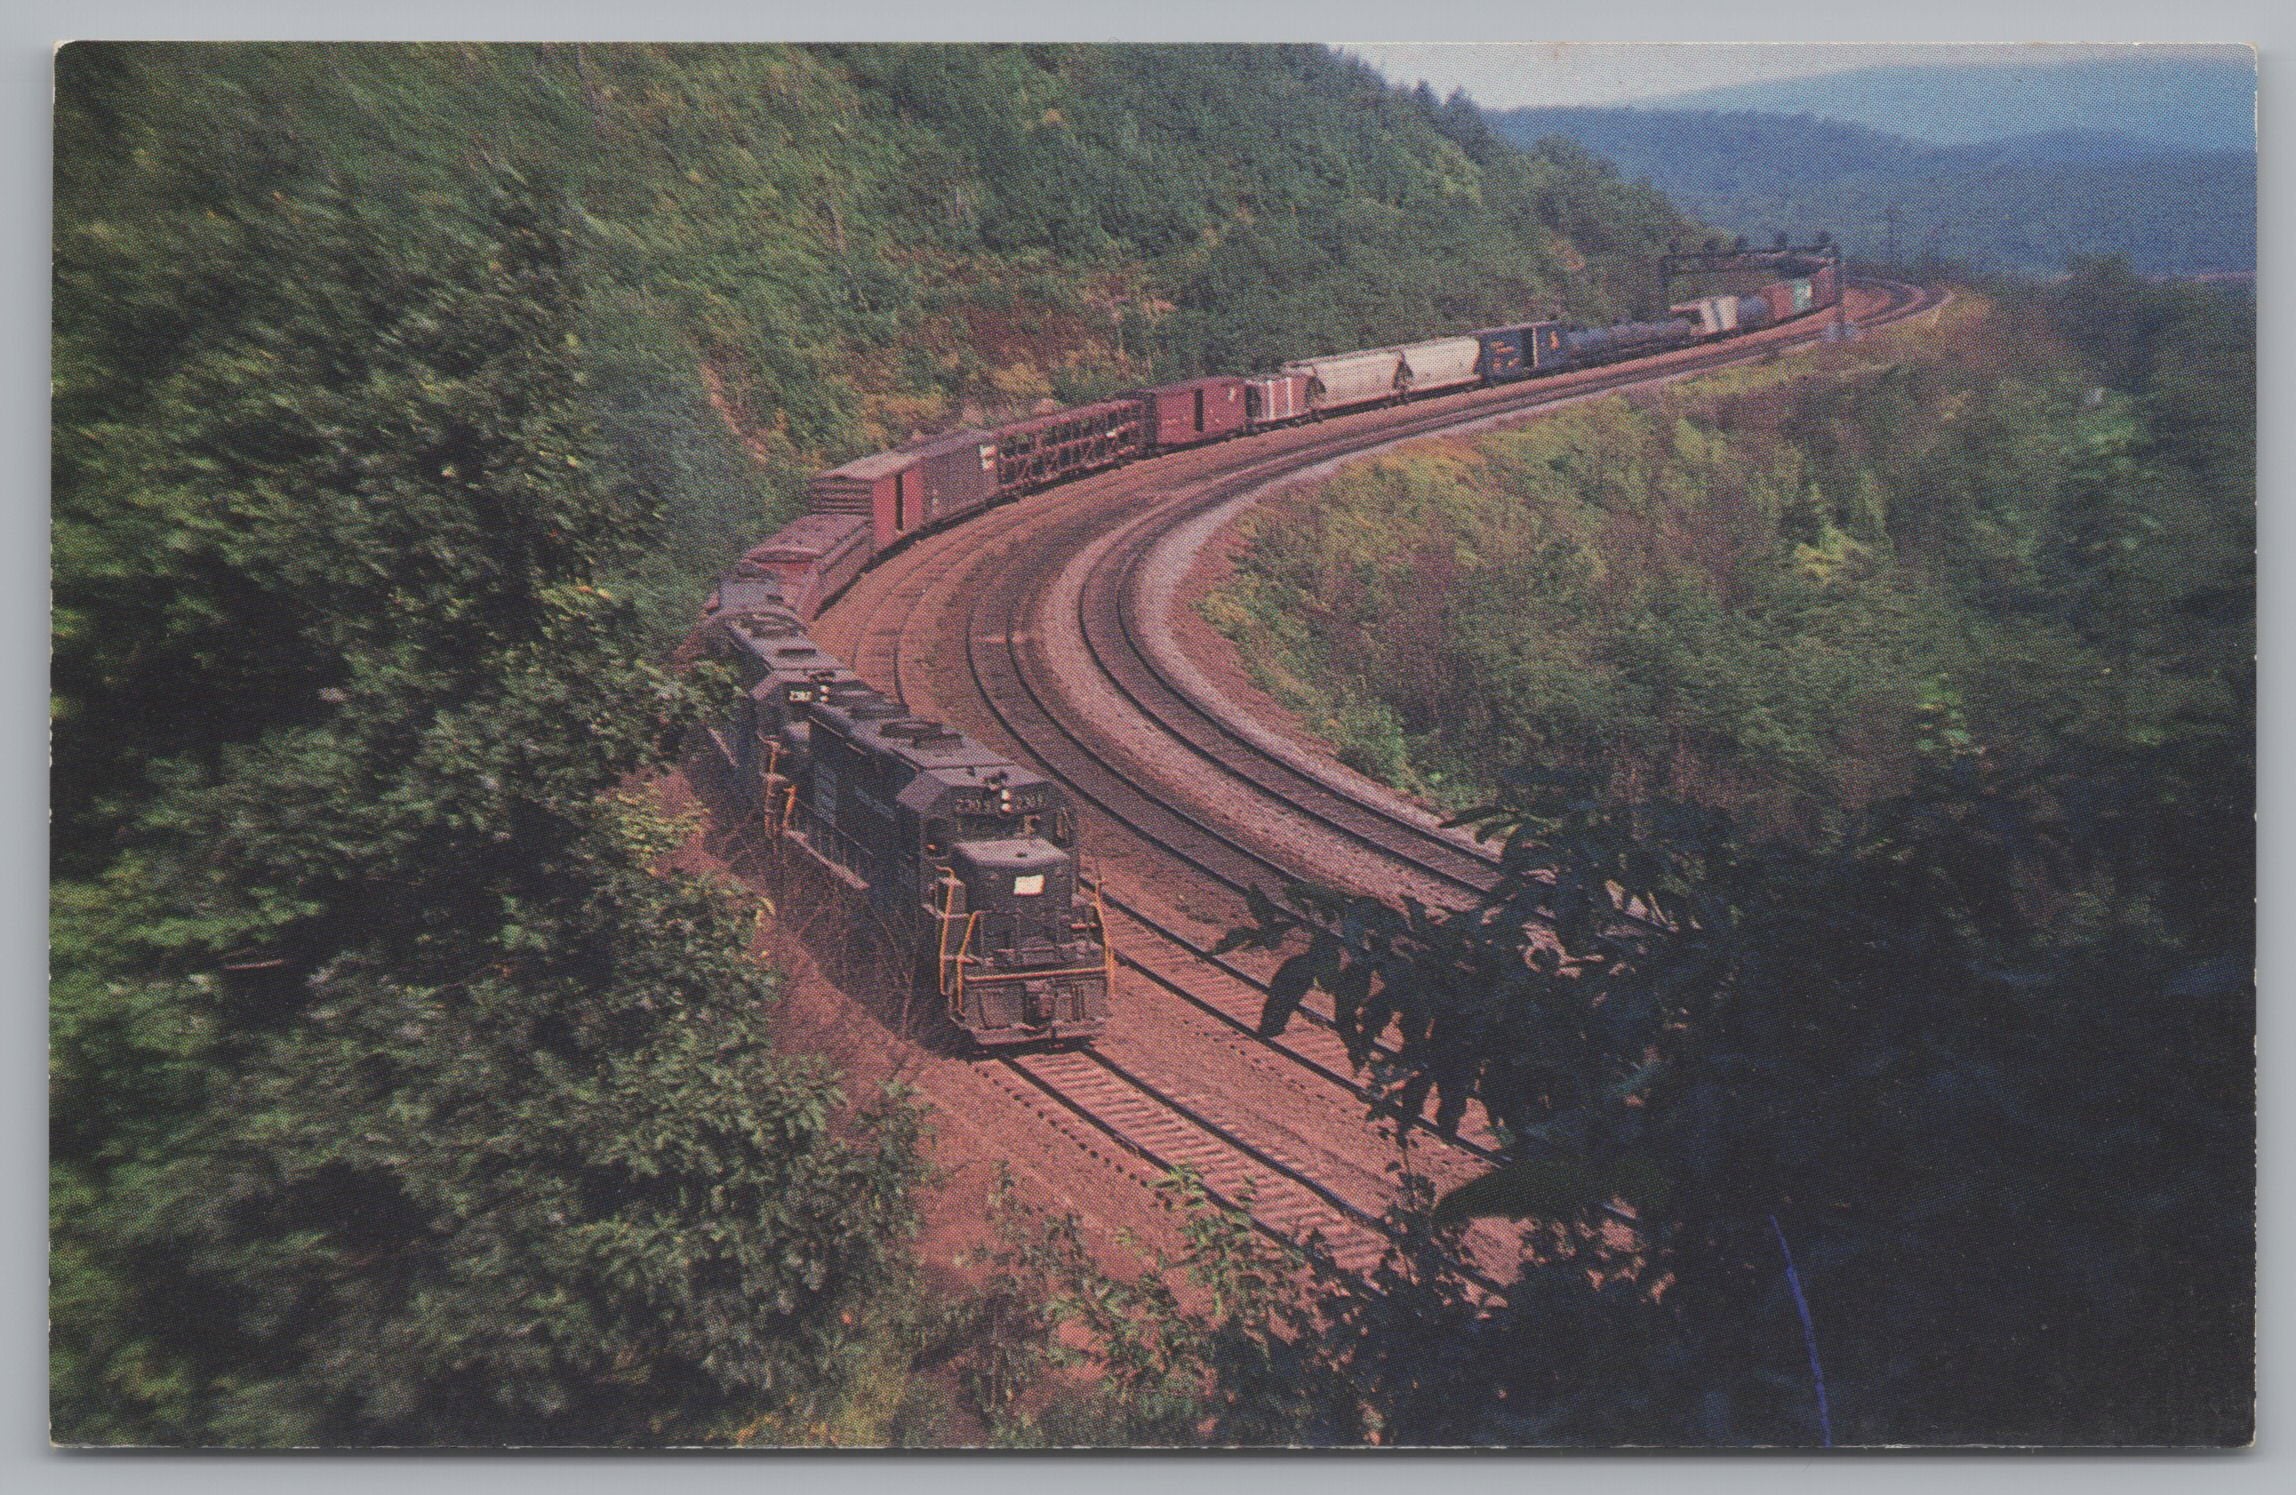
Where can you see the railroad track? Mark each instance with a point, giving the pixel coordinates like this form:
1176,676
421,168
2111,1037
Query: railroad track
1003,632
1166,1130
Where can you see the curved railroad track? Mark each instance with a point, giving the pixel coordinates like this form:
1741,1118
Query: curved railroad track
1034,627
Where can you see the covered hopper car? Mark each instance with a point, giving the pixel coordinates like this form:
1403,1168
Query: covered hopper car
1441,364
1346,381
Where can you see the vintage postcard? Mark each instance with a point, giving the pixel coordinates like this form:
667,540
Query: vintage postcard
1118,746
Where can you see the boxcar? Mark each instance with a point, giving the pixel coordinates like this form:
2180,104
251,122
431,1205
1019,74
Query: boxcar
959,473
1825,287
1033,453
1442,363
809,560
1504,356
885,486
1716,316
1276,400
1345,380
906,489
1790,298
1198,410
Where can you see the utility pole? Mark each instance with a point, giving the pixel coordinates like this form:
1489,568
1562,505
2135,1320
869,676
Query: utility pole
1842,329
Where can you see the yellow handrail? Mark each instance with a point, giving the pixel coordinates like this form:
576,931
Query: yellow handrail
1107,946
944,899
964,948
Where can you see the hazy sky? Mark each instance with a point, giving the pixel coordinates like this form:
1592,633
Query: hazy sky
1505,76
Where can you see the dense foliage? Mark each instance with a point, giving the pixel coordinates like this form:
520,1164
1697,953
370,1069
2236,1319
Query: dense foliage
1966,1026
2025,204
406,398
396,1098
1748,592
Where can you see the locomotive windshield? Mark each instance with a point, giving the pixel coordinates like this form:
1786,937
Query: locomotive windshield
944,831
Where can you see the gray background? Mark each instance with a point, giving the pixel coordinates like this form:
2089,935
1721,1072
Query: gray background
28,28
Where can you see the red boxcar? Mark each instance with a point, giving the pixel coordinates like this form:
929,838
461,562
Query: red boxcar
1033,453
960,475
885,487
1276,400
1197,410
904,490
812,558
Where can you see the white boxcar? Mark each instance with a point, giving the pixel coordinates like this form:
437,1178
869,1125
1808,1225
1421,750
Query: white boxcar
1715,315
1272,399
1346,379
1444,363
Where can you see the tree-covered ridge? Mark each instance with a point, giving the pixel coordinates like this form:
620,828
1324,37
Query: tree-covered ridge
2027,204
831,248
1955,1009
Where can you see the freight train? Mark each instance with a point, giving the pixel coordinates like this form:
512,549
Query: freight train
972,857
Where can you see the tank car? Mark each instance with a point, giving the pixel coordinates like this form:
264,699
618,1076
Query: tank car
1594,345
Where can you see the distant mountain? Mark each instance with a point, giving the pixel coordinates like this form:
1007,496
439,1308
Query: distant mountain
2199,103
2025,204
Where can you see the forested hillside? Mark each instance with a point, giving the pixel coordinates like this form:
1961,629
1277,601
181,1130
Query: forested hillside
1910,692
405,400
2028,204
832,248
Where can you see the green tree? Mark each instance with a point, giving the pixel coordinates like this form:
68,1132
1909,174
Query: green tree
397,1097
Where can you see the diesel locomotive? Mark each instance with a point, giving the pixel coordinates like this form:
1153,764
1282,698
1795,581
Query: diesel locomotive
971,858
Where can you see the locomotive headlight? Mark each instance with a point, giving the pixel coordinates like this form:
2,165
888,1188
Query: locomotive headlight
1004,801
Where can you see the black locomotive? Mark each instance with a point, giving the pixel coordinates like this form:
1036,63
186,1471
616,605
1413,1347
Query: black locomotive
971,857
